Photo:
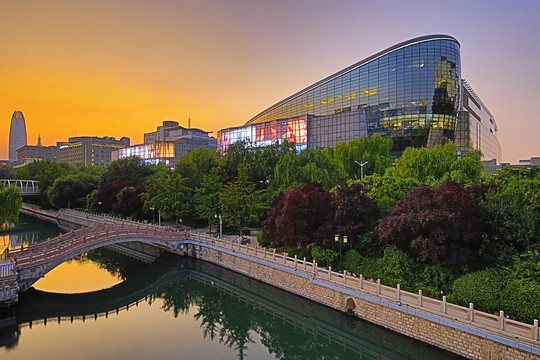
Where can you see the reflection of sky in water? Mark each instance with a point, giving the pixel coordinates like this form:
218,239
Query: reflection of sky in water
27,231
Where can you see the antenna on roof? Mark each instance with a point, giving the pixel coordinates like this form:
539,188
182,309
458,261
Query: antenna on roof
189,122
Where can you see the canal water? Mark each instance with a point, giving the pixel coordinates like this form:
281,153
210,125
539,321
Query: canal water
108,305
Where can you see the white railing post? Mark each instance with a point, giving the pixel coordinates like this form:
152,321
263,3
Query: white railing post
264,253
344,276
329,273
536,335
378,286
420,299
501,320
398,293
295,261
471,312
284,257
274,254
305,264
361,281
444,304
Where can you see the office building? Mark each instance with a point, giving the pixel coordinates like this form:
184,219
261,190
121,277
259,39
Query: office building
411,92
17,135
152,153
30,153
88,150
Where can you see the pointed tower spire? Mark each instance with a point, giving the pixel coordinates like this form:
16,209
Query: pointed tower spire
39,140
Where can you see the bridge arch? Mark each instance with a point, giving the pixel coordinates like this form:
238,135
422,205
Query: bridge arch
35,261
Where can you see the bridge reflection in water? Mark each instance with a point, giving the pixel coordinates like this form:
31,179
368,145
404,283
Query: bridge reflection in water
229,307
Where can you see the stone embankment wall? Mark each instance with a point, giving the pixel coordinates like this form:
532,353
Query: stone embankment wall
430,329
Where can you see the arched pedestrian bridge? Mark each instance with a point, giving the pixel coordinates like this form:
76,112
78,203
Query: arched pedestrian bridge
26,187
35,261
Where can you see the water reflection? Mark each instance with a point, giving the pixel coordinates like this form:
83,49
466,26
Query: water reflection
27,231
235,311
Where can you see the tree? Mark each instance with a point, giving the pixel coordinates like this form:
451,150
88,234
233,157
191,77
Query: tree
387,190
296,216
240,201
129,169
438,224
511,213
375,150
10,203
353,213
311,165
71,190
207,197
46,172
441,163
195,165
129,201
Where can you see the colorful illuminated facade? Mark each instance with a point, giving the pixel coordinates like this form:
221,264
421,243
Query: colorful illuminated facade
410,92
153,153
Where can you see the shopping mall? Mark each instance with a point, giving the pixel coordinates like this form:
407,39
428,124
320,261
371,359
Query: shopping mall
412,92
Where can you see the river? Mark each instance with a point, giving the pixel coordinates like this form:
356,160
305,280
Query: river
107,305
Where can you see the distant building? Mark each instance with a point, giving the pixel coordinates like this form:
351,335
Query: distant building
476,127
30,153
185,139
153,153
17,135
89,150
523,164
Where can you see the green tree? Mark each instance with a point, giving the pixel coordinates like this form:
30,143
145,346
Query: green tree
436,165
46,172
511,214
240,201
387,190
71,190
311,165
207,196
195,165
10,203
375,150
129,169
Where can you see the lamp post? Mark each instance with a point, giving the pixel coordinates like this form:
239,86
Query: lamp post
220,224
361,168
153,217
341,241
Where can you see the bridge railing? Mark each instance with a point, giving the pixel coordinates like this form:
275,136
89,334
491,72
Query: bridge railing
495,323
83,238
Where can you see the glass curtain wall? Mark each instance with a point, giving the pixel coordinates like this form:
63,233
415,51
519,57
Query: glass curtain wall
409,92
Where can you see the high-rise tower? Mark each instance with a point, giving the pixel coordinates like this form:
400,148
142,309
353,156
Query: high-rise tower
17,135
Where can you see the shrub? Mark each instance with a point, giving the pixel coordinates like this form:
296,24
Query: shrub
355,263
300,253
325,257
397,268
482,288
520,299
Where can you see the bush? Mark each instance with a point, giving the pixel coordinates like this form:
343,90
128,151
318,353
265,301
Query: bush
359,265
520,299
300,253
397,268
261,240
325,257
482,288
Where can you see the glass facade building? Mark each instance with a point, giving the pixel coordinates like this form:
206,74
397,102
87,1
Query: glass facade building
410,92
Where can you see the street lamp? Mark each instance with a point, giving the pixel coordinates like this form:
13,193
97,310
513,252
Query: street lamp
220,224
341,241
361,168
153,217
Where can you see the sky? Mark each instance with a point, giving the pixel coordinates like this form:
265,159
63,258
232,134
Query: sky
120,68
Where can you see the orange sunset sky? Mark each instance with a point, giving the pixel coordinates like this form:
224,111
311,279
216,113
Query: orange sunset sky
119,68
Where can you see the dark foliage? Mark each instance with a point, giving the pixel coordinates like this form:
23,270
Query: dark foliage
439,224
129,201
296,216
107,194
